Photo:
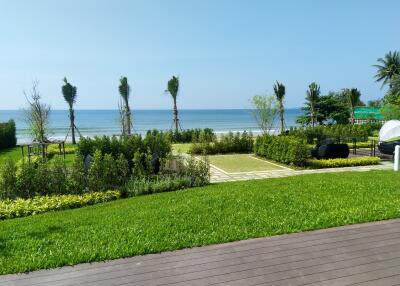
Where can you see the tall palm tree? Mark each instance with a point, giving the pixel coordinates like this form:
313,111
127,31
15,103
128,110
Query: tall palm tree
279,90
312,98
173,89
124,91
70,92
388,68
353,98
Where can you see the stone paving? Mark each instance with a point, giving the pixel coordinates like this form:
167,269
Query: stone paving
218,175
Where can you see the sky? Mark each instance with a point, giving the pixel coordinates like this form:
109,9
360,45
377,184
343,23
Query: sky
224,51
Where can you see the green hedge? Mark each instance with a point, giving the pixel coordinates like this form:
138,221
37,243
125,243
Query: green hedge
338,132
343,162
37,205
8,137
289,150
192,135
229,143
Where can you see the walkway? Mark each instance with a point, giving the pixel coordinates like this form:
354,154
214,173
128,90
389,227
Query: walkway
219,175
363,255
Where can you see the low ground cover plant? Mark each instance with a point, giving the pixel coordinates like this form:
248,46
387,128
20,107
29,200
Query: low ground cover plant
40,204
290,150
195,217
229,143
343,162
8,133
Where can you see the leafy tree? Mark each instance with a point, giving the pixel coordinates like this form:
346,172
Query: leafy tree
124,91
375,103
173,89
265,111
353,99
391,111
37,116
69,92
312,98
279,90
388,67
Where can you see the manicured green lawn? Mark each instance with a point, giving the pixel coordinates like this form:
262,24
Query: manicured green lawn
213,214
242,163
181,148
11,153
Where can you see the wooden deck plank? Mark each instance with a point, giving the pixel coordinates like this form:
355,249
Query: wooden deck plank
341,255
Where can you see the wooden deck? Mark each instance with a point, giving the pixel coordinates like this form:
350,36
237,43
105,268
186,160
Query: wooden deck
366,254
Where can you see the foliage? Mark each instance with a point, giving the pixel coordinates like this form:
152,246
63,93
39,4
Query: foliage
388,67
264,111
390,111
213,214
69,92
338,132
192,135
353,98
155,142
279,91
330,108
37,205
229,143
284,149
312,98
37,116
8,137
375,103
343,162
126,121
190,173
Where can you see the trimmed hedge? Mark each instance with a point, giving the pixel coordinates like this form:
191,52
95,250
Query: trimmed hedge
289,150
25,207
340,162
192,135
8,137
229,143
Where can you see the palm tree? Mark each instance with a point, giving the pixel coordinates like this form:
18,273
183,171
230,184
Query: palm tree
388,68
70,92
124,91
173,89
312,97
279,90
353,98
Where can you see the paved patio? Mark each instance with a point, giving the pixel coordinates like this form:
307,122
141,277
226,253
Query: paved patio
364,255
218,175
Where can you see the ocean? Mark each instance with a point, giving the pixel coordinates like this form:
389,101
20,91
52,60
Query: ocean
106,122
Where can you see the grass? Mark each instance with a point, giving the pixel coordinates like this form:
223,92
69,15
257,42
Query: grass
242,163
200,216
181,148
10,153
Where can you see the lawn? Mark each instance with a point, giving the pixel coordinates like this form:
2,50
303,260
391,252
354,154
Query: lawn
181,148
242,163
10,153
200,216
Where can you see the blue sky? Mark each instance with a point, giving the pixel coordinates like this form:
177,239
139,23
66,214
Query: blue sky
224,51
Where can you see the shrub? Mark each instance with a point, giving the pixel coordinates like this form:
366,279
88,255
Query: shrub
284,149
37,205
78,179
230,143
340,133
192,135
343,162
8,137
188,173
8,179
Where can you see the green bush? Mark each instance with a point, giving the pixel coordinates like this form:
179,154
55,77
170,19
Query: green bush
289,150
229,143
37,205
189,173
192,135
8,132
154,143
338,132
343,162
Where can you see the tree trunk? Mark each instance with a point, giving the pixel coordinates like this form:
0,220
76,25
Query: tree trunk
312,116
72,124
175,119
282,118
128,117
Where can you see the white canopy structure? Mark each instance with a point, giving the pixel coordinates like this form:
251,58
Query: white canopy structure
390,131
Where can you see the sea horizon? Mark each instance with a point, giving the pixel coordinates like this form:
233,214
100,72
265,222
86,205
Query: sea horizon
98,122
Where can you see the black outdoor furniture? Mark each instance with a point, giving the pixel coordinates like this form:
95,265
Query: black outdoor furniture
330,150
